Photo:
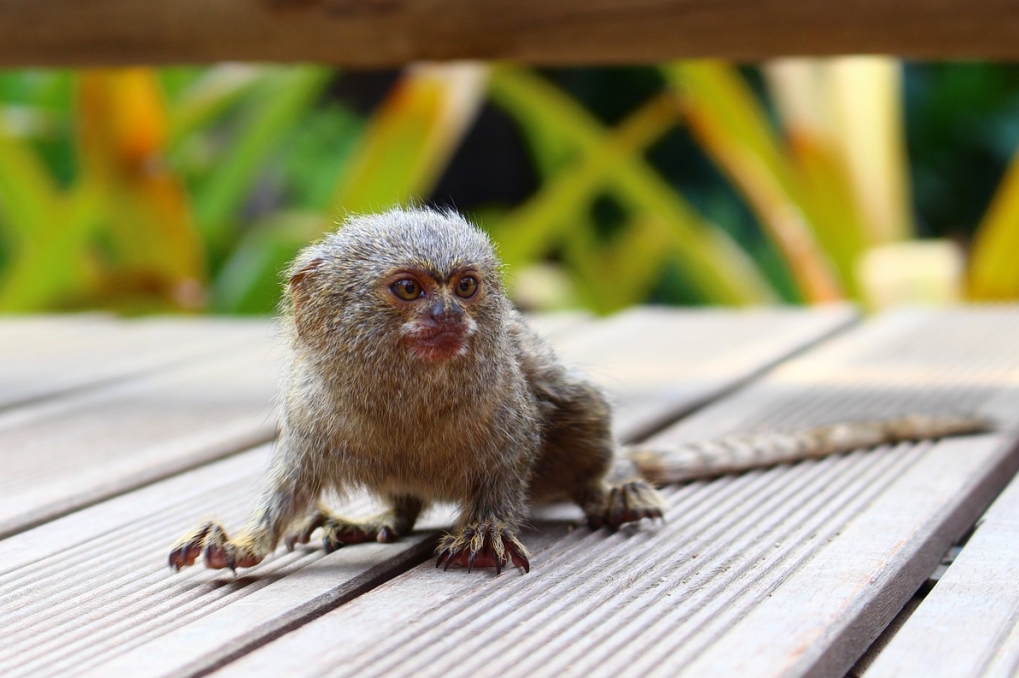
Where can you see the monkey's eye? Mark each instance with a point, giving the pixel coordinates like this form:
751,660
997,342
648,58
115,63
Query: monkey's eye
407,289
466,287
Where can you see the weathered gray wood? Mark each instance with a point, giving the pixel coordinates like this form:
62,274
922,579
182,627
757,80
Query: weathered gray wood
373,33
79,448
968,625
44,355
789,571
69,451
143,399
90,592
83,589
657,365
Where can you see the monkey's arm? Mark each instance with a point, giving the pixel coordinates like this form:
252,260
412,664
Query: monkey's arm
732,454
289,491
494,502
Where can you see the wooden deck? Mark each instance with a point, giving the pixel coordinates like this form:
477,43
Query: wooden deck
118,435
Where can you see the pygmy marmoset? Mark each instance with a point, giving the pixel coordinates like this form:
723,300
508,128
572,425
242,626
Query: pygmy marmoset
411,375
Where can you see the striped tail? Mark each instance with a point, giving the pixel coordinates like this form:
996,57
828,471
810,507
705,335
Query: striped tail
732,454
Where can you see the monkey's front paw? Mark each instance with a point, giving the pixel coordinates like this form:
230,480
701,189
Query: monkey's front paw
337,531
627,503
482,545
219,550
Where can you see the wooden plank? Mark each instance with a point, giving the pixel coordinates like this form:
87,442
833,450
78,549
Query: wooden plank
80,590
657,365
74,450
201,389
968,625
91,591
373,33
789,571
44,355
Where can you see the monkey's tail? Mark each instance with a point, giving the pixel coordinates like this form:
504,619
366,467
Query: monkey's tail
732,454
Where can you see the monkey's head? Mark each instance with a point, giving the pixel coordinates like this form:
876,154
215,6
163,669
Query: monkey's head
419,284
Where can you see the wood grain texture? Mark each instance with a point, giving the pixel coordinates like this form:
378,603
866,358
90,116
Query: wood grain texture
968,625
82,590
374,33
657,364
69,451
45,355
790,571
91,592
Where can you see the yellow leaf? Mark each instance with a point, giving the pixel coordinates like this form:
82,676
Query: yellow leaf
993,271
730,125
147,216
412,136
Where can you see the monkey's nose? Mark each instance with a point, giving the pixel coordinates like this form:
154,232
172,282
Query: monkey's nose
445,313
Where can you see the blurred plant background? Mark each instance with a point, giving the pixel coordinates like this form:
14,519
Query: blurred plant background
802,181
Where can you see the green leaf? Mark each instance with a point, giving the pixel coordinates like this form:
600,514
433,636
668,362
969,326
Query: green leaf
208,94
732,127
250,281
27,194
276,105
720,271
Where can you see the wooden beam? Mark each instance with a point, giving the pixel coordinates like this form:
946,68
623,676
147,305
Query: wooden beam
380,33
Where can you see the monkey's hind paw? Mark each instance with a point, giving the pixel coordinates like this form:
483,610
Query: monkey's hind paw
338,532
482,545
628,503
211,539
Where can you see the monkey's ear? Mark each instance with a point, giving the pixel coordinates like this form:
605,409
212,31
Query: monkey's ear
302,287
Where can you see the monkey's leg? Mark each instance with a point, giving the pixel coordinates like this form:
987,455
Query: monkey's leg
579,461
248,548
289,492
619,501
384,527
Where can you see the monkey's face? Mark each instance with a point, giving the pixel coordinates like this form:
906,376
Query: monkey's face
403,287
436,311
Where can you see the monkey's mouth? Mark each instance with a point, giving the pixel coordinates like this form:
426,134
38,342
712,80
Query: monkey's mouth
437,343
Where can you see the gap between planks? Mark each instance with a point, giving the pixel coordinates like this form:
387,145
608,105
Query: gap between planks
791,571
968,624
89,587
73,450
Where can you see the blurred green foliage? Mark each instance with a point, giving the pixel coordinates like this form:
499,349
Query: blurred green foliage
189,189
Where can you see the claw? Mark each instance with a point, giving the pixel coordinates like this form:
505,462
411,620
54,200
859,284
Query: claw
627,503
187,549
184,555
303,535
517,557
211,543
482,545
